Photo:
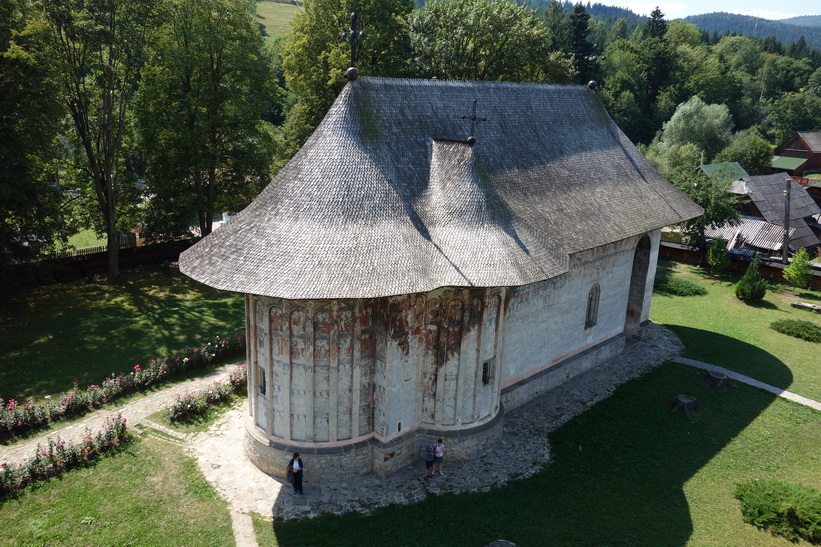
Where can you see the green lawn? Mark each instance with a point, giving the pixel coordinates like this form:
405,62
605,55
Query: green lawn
627,472
84,240
719,328
148,493
84,330
274,18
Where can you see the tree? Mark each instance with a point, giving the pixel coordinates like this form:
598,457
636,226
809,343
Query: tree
484,40
31,204
578,45
750,150
717,256
799,272
814,83
751,287
315,57
793,112
656,26
200,114
97,48
712,194
708,126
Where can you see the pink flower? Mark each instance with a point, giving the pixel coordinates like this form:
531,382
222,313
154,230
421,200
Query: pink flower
137,368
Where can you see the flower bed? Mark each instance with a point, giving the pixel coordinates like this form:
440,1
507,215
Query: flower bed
61,456
198,401
16,417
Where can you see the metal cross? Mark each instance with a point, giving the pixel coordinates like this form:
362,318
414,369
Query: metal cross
473,119
353,35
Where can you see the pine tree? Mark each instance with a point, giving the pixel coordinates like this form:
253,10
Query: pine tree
751,287
799,272
717,256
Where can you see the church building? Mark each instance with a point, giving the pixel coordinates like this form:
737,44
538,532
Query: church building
437,254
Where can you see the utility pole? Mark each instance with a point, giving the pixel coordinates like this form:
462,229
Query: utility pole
785,247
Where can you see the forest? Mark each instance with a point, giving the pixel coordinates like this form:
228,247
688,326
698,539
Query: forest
155,116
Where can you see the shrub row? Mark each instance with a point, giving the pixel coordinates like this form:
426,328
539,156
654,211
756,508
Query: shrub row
16,417
198,401
798,328
677,286
784,509
61,456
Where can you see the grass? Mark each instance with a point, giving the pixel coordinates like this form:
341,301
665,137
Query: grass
84,330
627,472
719,328
84,240
147,493
274,19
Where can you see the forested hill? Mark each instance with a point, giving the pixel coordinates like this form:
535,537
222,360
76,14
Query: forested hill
746,25
804,21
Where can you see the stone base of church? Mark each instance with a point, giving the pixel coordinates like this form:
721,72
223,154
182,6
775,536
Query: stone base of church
331,463
550,377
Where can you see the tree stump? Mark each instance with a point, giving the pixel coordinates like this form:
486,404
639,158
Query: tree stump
685,404
717,379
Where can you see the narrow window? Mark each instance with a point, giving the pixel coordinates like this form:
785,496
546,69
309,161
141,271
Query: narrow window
592,306
399,427
487,370
261,381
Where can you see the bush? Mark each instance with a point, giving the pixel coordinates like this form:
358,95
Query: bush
57,457
798,328
16,418
196,402
677,286
799,272
751,287
785,509
717,256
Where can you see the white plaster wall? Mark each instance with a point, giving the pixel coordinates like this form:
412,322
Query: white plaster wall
545,322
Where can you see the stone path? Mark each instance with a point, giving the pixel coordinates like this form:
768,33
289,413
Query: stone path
220,454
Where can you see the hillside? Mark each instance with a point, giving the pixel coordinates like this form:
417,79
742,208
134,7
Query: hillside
804,21
755,26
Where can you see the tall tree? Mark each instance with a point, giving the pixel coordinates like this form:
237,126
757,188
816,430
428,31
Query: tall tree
483,40
708,126
712,194
315,56
31,213
200,117
97,48
656,26
578,45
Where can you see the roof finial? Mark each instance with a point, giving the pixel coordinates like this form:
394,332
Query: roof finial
473,119
353,35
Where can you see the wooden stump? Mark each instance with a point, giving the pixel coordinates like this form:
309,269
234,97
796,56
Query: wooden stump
718,379
685,404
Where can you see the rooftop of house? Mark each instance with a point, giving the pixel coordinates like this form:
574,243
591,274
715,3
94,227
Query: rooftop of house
411,185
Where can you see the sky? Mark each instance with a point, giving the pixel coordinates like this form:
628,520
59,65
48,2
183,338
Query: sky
766,9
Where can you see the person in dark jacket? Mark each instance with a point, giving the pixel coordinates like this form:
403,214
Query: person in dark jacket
296,467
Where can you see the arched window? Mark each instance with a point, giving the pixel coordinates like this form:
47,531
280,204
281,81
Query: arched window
592,306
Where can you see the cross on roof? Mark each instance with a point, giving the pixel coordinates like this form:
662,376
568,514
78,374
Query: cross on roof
473,119
353,35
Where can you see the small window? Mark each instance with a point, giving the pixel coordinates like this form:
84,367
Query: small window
592,306
261,381
487,370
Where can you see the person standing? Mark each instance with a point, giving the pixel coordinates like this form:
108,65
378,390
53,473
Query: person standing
430,452
439,457
296,467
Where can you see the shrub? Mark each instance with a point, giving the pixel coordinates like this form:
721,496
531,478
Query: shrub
16,417
677,286
798,328
785,509
751,287
717,256
198,401
60,456
799,272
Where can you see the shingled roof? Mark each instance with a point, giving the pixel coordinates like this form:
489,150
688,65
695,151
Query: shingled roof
389,196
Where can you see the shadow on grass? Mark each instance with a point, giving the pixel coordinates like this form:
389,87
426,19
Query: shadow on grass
617,476
717,349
